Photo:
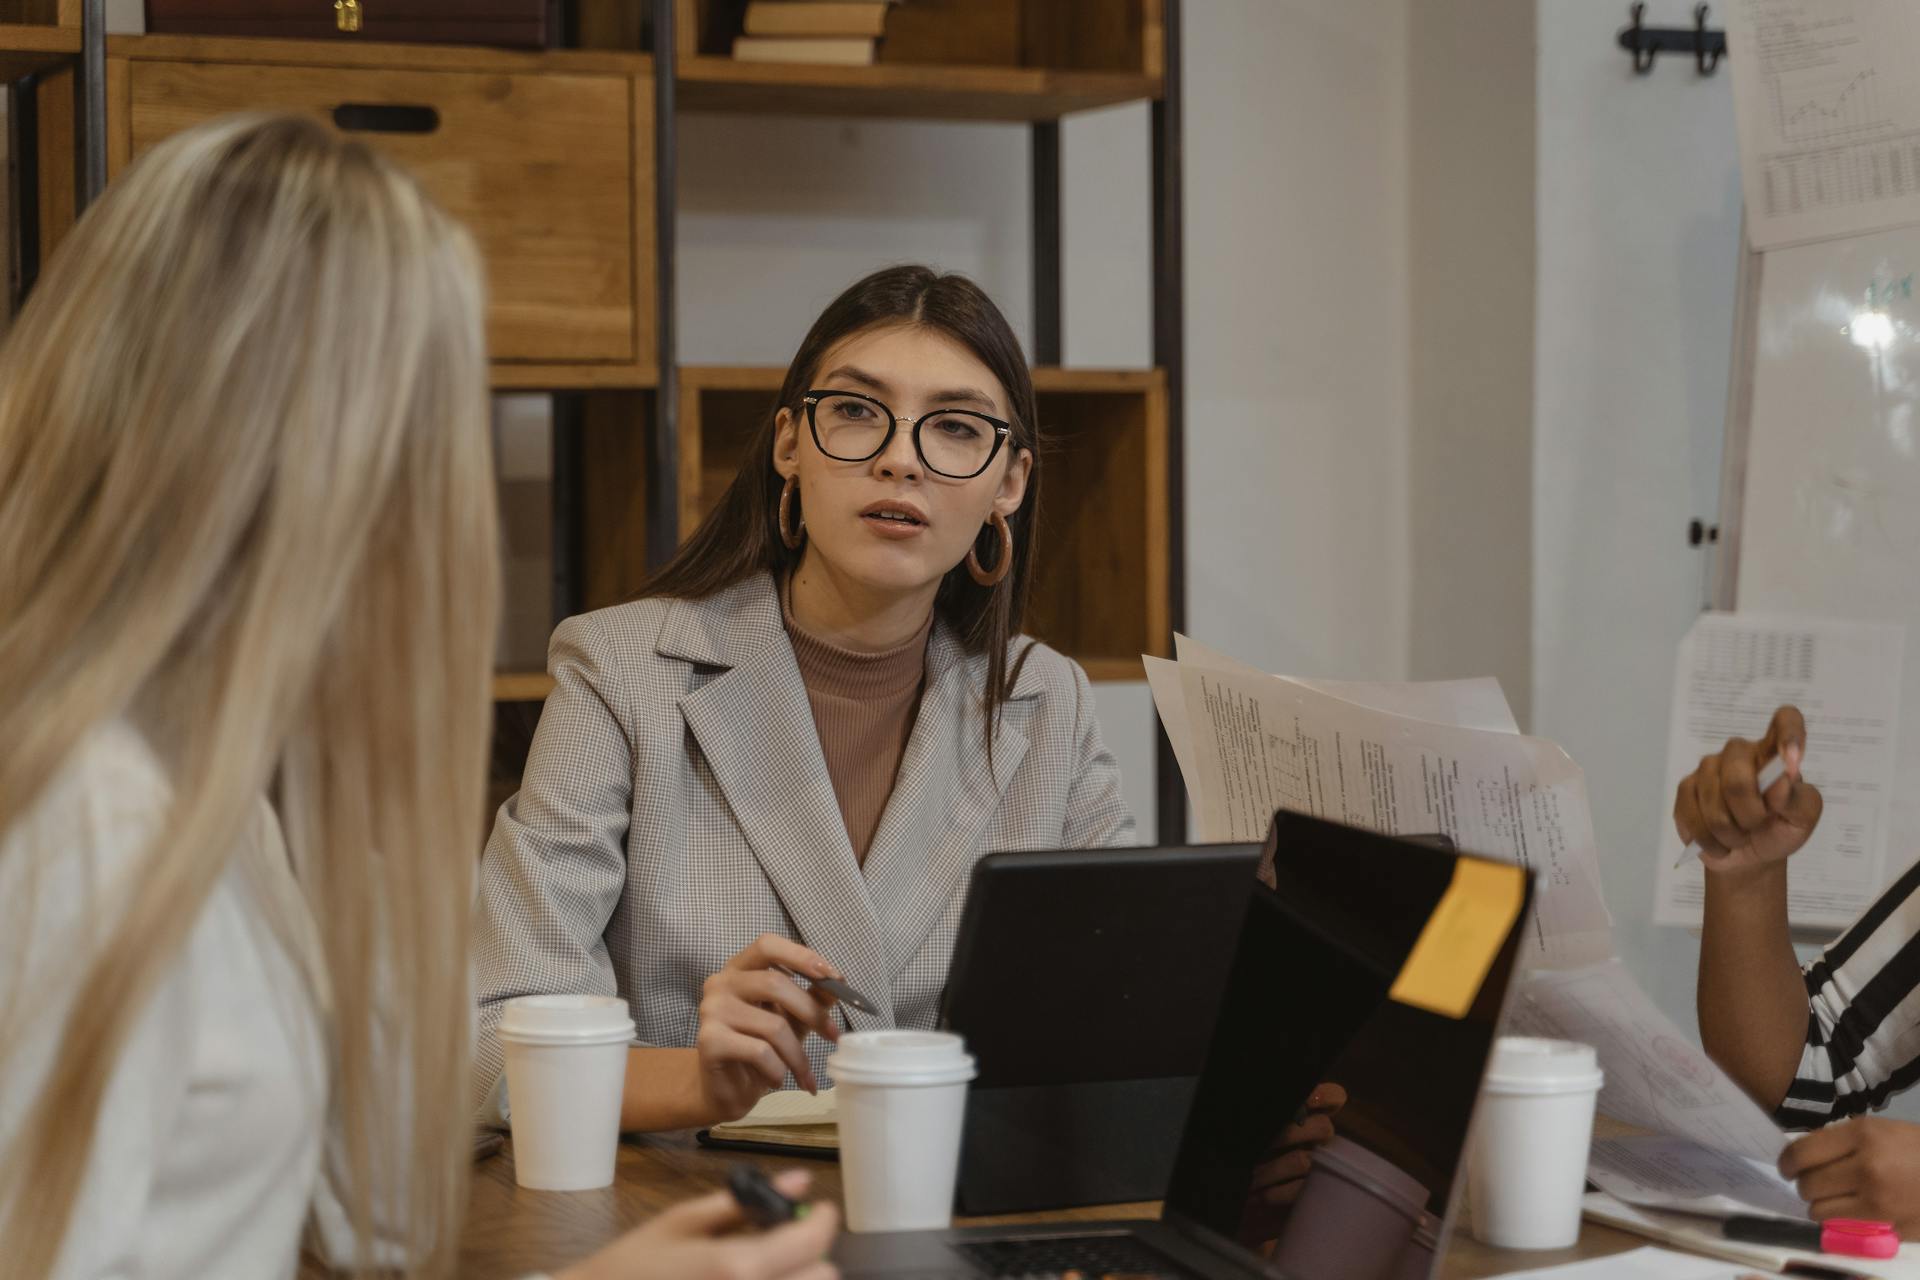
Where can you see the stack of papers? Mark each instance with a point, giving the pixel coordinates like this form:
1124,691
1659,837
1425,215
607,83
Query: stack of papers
1410,759
1373,756
1655,1171
1657,1077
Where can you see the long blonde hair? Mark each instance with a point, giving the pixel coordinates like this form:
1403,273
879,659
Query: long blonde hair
246,501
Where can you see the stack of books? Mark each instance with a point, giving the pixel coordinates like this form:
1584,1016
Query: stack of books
839,32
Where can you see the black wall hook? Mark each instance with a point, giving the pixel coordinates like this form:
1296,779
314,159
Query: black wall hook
1706,56
1648,43
1635,39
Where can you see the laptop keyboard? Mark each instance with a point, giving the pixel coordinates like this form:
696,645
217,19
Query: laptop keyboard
1112,1257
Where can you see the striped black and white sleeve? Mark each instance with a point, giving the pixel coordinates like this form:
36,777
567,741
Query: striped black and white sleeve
1863,1023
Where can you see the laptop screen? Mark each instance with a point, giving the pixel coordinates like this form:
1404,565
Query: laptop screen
1328,1126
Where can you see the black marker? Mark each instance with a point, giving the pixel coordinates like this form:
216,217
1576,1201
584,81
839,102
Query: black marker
760,1200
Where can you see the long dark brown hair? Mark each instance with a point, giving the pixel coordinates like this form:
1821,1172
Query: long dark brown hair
741,536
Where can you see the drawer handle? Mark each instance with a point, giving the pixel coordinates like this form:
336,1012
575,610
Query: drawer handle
381,117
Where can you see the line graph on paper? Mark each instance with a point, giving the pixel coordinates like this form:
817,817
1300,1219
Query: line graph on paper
1823,83
1827,103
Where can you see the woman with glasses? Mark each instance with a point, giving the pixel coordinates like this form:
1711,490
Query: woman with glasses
784,759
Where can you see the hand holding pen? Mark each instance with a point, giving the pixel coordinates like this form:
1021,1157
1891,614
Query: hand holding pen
754,1020
1747,807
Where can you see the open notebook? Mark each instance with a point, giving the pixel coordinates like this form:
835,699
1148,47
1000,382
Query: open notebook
790,1118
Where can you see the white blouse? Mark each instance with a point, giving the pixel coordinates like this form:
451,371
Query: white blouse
208,1150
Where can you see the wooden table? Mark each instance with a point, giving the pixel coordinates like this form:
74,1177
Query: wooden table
511,1232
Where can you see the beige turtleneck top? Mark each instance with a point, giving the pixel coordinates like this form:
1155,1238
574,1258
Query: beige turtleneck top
863,708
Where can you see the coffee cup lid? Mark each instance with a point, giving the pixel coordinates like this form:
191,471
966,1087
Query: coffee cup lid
1527,1064
566,1019
901,1057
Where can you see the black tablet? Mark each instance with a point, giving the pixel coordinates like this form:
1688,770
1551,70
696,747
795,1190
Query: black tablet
1086,983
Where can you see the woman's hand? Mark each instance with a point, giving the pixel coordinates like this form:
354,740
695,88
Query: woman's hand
1867,1167
691,1242
753,1021
1720,805
1282,1173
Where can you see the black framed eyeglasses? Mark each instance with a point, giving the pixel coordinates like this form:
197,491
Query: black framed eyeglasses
956,443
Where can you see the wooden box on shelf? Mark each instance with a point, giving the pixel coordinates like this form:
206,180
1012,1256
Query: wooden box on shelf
546,157
37,36
1101,591
49,13
945,59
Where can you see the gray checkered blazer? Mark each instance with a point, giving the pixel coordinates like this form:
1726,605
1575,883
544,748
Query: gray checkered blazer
676,805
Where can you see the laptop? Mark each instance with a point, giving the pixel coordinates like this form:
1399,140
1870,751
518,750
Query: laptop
1326,931
1073,1105
1082,1101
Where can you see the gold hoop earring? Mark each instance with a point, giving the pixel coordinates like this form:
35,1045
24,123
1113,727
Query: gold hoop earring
798,533
991,577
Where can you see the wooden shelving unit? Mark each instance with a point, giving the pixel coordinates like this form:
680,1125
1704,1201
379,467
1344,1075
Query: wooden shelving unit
563,164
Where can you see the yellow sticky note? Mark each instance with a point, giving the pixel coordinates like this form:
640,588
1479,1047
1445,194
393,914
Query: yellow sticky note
1450,960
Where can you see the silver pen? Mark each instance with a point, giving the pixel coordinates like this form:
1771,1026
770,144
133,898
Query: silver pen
837,989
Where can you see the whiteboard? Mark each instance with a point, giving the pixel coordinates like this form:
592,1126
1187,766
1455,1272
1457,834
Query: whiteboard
1821,484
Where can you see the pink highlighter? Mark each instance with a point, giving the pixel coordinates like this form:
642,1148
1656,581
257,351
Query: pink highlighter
1846,1237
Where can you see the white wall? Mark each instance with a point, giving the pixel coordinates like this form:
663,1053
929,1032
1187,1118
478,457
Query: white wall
1470,444
1297,250
1639,224
777,216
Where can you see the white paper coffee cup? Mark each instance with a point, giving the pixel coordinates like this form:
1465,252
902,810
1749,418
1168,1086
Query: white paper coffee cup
566,1071
900,1097
1531,1135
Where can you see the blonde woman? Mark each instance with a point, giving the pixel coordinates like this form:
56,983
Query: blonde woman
247,545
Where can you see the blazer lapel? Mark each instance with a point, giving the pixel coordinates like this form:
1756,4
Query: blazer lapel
929,836
755,729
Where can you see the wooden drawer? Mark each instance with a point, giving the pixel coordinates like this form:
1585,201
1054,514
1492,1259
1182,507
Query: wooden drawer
543,166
